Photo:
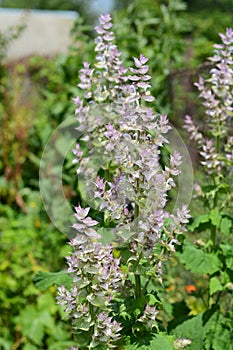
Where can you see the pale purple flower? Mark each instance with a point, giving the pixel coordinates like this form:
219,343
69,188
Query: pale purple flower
209,153
216,148
81,213
149,316
119,127
78,154
85,223
96,279
193,130
100,187
107,331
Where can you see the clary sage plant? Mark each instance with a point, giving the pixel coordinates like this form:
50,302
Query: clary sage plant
211,254
215,144
124,233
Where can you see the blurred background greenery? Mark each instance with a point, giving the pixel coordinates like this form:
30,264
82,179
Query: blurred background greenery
35,97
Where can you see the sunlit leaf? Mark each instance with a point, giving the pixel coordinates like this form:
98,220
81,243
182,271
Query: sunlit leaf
193,330
215,285
198,261
43,280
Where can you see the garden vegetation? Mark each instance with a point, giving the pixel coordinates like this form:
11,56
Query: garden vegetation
140,271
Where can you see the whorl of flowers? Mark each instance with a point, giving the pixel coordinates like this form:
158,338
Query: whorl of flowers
149,316
126,132
96,279
127,136
218,99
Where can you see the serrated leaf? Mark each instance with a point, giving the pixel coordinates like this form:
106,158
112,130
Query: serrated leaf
160,341
198,261
218,332
43,280
215,285
191,329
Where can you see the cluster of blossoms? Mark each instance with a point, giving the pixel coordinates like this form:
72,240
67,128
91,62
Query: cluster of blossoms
127,183
149,316
96,280
217,148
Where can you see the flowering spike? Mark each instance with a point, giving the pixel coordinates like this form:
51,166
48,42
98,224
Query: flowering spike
130,187
218,99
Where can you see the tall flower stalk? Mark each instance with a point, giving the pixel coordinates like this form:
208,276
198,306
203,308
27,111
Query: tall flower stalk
216,145
119,159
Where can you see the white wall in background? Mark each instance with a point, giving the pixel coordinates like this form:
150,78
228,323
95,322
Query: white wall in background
46,33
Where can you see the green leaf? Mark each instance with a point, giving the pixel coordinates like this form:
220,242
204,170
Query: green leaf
226,225
83,325
82,338
202,219
215,217
43,280
152,299
198,261
32,323
218,331
191,329
46,301
139,303
228,255
30,347
215,285
123,312
5,344
161,342
58,108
